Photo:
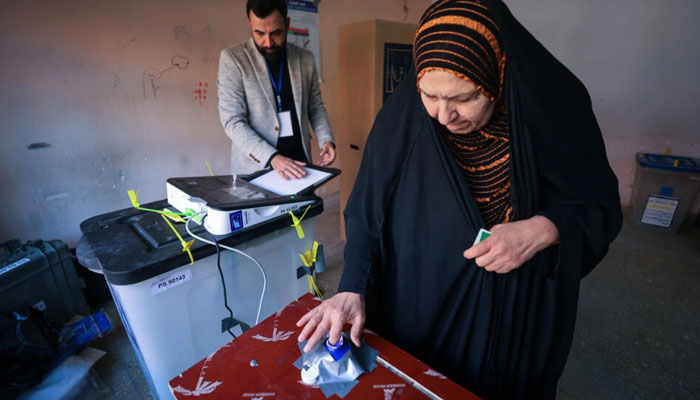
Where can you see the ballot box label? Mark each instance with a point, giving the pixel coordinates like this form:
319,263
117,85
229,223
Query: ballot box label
171,281
660,210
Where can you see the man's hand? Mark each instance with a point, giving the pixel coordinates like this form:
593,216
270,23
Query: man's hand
327,154
512,244
287,168
332,315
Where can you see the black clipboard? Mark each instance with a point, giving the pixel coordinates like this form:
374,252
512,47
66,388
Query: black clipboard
333,172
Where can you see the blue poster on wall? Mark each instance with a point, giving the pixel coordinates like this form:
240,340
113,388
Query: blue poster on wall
398,60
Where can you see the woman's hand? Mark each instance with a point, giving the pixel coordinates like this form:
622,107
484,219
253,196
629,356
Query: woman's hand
512,244
332,315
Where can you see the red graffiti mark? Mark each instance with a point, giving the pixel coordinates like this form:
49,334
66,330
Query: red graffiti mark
200,93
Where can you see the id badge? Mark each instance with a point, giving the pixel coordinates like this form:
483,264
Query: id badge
286,129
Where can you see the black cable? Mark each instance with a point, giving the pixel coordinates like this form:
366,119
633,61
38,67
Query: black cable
223,282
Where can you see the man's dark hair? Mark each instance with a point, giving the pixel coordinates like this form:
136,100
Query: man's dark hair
263,8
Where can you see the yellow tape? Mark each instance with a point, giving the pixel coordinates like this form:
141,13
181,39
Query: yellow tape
313,288
172,216
304,260
309,256
185,245
134,197
209,166
296,222
318,290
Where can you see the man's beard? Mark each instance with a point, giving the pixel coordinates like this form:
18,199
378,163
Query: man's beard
272,53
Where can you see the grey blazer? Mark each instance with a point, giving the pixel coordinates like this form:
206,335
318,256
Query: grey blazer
247,106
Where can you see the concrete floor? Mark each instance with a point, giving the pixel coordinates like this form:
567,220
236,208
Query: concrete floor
638,330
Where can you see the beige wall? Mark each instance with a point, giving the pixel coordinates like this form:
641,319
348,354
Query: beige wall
639,60
72,78
73,82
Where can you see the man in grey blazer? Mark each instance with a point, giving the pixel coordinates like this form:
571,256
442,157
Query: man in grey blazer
268,95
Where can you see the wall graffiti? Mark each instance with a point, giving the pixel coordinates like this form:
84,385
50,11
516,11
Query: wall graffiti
200,93
152,75
181,31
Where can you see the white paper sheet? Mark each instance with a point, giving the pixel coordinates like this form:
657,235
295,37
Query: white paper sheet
273,182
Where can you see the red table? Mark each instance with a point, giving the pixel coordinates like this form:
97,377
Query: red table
229,374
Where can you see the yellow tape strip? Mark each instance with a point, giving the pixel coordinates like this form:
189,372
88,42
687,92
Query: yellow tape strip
296,222
185,245
314,250
134,197
309,256
175,218
209,166
313,288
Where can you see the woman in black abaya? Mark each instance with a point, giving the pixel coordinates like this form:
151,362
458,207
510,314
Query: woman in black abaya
490,132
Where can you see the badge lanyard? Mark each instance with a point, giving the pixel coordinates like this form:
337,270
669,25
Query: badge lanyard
277,86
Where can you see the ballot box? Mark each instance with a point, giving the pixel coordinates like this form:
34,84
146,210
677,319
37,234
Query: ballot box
664,190
172,308
260,365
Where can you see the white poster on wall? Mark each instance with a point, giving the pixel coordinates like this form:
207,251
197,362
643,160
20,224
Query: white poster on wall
304,28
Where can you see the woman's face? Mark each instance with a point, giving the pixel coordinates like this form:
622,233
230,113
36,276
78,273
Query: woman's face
454,102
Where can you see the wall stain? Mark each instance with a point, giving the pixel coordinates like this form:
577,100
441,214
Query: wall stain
121,178
36,220
181,31
55,196
39,145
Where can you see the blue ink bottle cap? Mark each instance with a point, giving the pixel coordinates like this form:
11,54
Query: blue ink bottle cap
338,350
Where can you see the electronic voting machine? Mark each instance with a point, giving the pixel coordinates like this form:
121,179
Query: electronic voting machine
232,204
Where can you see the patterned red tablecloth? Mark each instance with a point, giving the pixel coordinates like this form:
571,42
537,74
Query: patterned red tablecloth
228,373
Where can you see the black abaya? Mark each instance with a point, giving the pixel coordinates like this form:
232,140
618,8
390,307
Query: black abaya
411,216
